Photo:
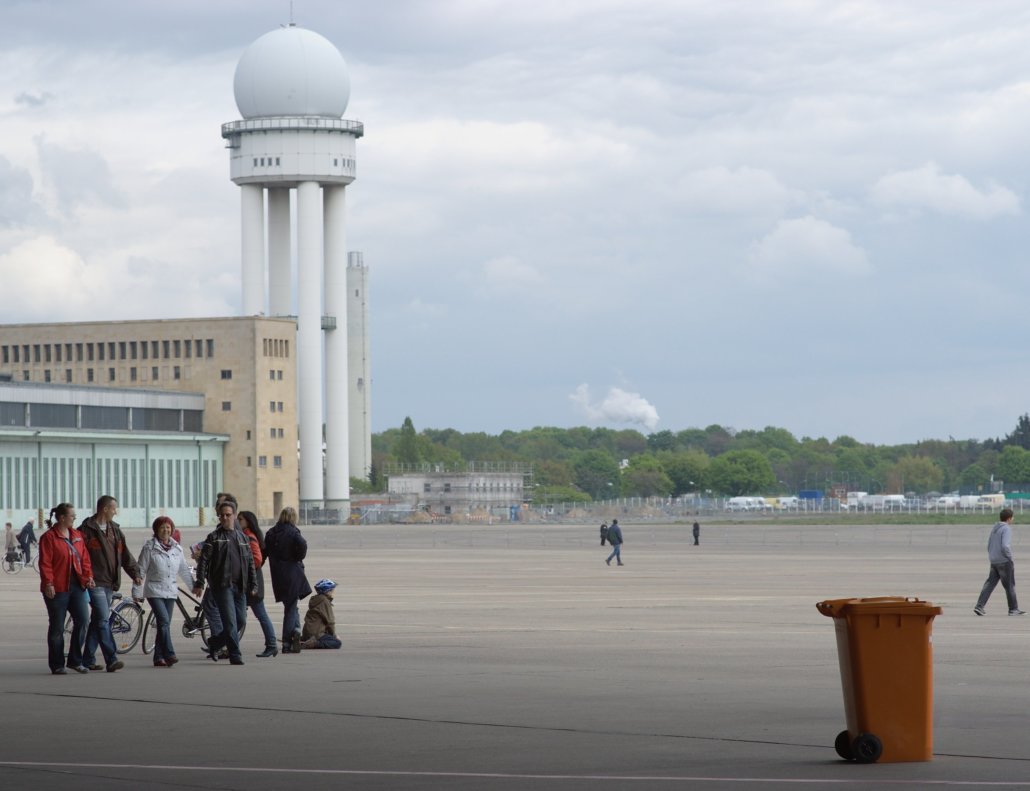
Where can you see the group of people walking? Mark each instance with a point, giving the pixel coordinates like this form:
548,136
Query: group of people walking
80,571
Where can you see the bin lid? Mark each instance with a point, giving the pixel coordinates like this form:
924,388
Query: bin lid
878,605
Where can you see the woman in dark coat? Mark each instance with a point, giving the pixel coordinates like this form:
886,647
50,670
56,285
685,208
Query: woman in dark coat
286,550
249,525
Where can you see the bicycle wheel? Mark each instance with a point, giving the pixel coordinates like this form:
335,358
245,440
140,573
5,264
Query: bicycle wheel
149,633
11,566
126,625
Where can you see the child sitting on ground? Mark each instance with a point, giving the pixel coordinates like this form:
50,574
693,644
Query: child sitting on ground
319,622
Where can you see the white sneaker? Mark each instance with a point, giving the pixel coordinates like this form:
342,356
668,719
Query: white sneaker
1017,612
979,610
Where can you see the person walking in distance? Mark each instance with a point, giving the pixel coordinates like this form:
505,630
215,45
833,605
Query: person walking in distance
615,539
697,534
999,553
108,555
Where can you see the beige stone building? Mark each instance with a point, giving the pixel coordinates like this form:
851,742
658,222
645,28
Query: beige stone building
244,366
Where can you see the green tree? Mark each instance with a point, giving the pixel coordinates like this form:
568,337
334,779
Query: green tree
914,473
1014,465
544,495
597,474
738,472
406,450
1021,434
644,477
974,477
688,471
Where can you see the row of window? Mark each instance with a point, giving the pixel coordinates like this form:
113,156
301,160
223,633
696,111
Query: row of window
277,462
503,486
28,482
267,162
135,374
110,350
276,347
111,418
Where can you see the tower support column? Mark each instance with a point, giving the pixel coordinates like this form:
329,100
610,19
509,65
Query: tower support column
252,216
337,425
280,293
309,341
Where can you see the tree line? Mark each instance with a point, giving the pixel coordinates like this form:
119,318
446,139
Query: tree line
581,463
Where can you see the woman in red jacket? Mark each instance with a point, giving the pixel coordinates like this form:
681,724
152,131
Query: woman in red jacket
65,573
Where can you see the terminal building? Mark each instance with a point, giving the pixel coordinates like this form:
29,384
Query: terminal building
240,373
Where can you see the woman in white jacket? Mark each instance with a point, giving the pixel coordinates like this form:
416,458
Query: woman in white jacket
160,561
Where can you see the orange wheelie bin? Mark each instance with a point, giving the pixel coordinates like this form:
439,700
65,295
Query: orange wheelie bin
885,650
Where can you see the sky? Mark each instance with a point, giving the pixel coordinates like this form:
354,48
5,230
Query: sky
649,214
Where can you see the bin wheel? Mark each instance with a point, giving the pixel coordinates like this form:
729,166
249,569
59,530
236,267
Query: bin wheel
866,748
842,744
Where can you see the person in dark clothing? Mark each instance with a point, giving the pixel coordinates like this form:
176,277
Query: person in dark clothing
227,566
604,532
697,534
615,539
108,554
286,550
26,538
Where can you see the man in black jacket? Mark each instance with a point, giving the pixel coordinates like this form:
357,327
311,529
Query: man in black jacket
227,565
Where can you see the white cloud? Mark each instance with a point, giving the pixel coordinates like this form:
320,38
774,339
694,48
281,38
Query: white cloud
808,245
740,190
508,272
928,188
619,406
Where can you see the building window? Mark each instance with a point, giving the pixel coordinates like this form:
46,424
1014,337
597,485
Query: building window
248,461
89,374
6,359
25,375
427,487
277,462
446,487
110,350
68,375
57,353
200,348
271,374
153,373
132,349
227,407
46,375
248,433
210,347
188,348
110,374
132,374
100,351
262,461
144,347
166,347
226,374
278,406
177,345
154,350
78,352
121,350
271,406
279,375
177,372
280,433
272,432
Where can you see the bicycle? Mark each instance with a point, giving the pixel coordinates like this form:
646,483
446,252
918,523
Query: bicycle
126,623
13,565
192,625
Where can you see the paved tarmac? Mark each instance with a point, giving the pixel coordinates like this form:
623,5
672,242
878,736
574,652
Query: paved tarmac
514,658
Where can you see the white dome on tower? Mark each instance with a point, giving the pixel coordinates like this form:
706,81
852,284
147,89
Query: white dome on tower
291,72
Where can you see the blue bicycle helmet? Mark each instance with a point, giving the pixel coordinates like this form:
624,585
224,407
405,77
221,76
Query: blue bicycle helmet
324,586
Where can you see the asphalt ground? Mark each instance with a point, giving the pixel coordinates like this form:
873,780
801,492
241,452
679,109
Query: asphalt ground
513,658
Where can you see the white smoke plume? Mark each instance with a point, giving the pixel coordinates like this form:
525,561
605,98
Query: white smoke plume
618,406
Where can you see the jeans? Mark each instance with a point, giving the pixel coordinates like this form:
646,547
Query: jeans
1005,573
214,620
163,609
99,632
328,641
258,608
616,553
74,601
232,610
291,620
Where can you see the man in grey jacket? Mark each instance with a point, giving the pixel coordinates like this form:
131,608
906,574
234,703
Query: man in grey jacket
999,553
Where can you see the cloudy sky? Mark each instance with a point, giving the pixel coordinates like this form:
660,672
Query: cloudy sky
633,213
